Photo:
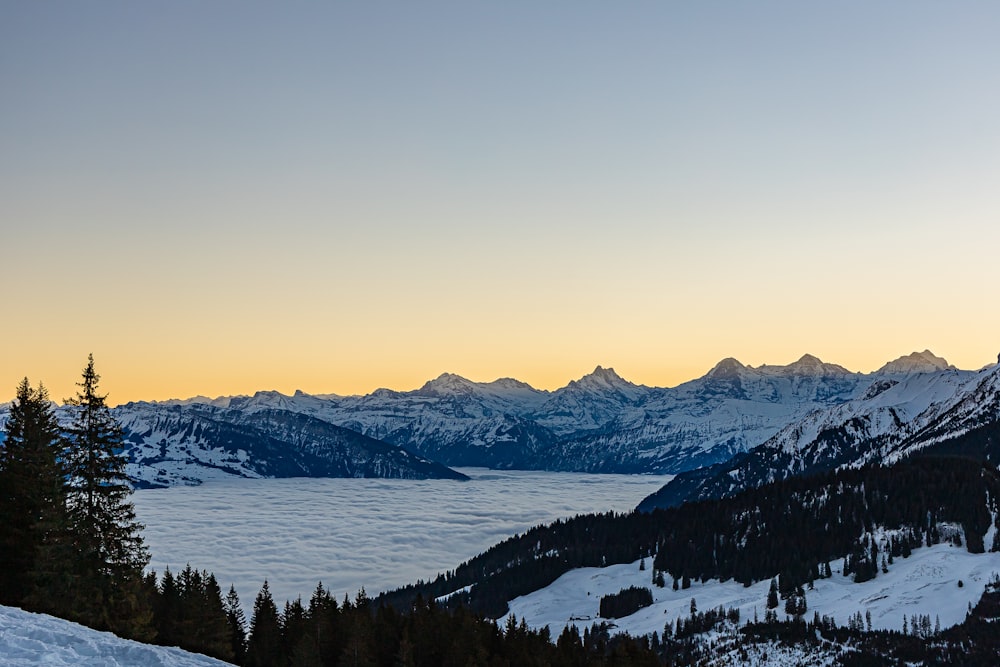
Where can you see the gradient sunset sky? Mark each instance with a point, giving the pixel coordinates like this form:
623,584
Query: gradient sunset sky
222,197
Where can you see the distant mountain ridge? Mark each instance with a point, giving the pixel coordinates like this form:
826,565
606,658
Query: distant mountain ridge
600,422
900,415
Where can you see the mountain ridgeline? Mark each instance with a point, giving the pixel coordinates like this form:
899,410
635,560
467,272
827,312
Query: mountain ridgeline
790,529
736,427
170,444
935,414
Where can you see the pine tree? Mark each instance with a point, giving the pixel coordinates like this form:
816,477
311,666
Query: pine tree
237,626
264,643
32,497
111,554
772,595
214,631
167,611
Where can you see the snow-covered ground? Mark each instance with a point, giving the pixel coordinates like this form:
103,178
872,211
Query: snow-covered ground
350,533
29,640
924,583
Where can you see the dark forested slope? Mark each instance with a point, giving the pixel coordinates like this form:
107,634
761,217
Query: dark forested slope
788,528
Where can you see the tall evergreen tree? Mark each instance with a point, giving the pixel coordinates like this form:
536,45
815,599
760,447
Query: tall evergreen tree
772,595
111,554
32,493
237,625
264,642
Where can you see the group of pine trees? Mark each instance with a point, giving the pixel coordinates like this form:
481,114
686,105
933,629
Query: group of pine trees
325,633
70,544
625,602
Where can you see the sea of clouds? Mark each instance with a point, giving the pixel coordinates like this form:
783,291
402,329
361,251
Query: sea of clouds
353,533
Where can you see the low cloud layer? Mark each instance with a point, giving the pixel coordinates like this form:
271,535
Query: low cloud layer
350,533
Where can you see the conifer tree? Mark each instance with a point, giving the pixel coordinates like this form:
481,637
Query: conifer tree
264,643
215,631
237,625
167,611
32,495
110,551
772,595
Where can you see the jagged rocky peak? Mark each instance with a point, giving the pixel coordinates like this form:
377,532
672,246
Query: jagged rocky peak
602,378
916,362
726,369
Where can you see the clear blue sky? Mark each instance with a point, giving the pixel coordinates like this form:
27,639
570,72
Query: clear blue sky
217,197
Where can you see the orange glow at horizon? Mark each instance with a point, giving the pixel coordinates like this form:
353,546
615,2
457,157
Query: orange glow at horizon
328,200
127,380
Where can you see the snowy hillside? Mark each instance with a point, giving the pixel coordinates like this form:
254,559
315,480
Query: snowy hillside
976,407
28,640
896,415
730,410
925,583
188,444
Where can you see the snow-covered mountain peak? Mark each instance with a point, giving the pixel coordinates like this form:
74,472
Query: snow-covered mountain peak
807,366
726,369
219,401
448,384
269,398
916,362
512,384
603,378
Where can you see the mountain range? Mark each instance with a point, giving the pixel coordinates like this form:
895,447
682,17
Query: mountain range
946,412
794,417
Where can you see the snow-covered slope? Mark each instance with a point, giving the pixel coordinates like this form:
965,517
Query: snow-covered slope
972,411
185,443
730,410
925,583
897,415
916,362
590,403
188,444
29,640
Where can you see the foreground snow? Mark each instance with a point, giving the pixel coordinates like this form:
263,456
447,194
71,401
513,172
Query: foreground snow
924,583
27,640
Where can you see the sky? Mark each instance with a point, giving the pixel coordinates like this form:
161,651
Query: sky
222,197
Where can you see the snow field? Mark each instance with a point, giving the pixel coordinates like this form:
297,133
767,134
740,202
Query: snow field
924,583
